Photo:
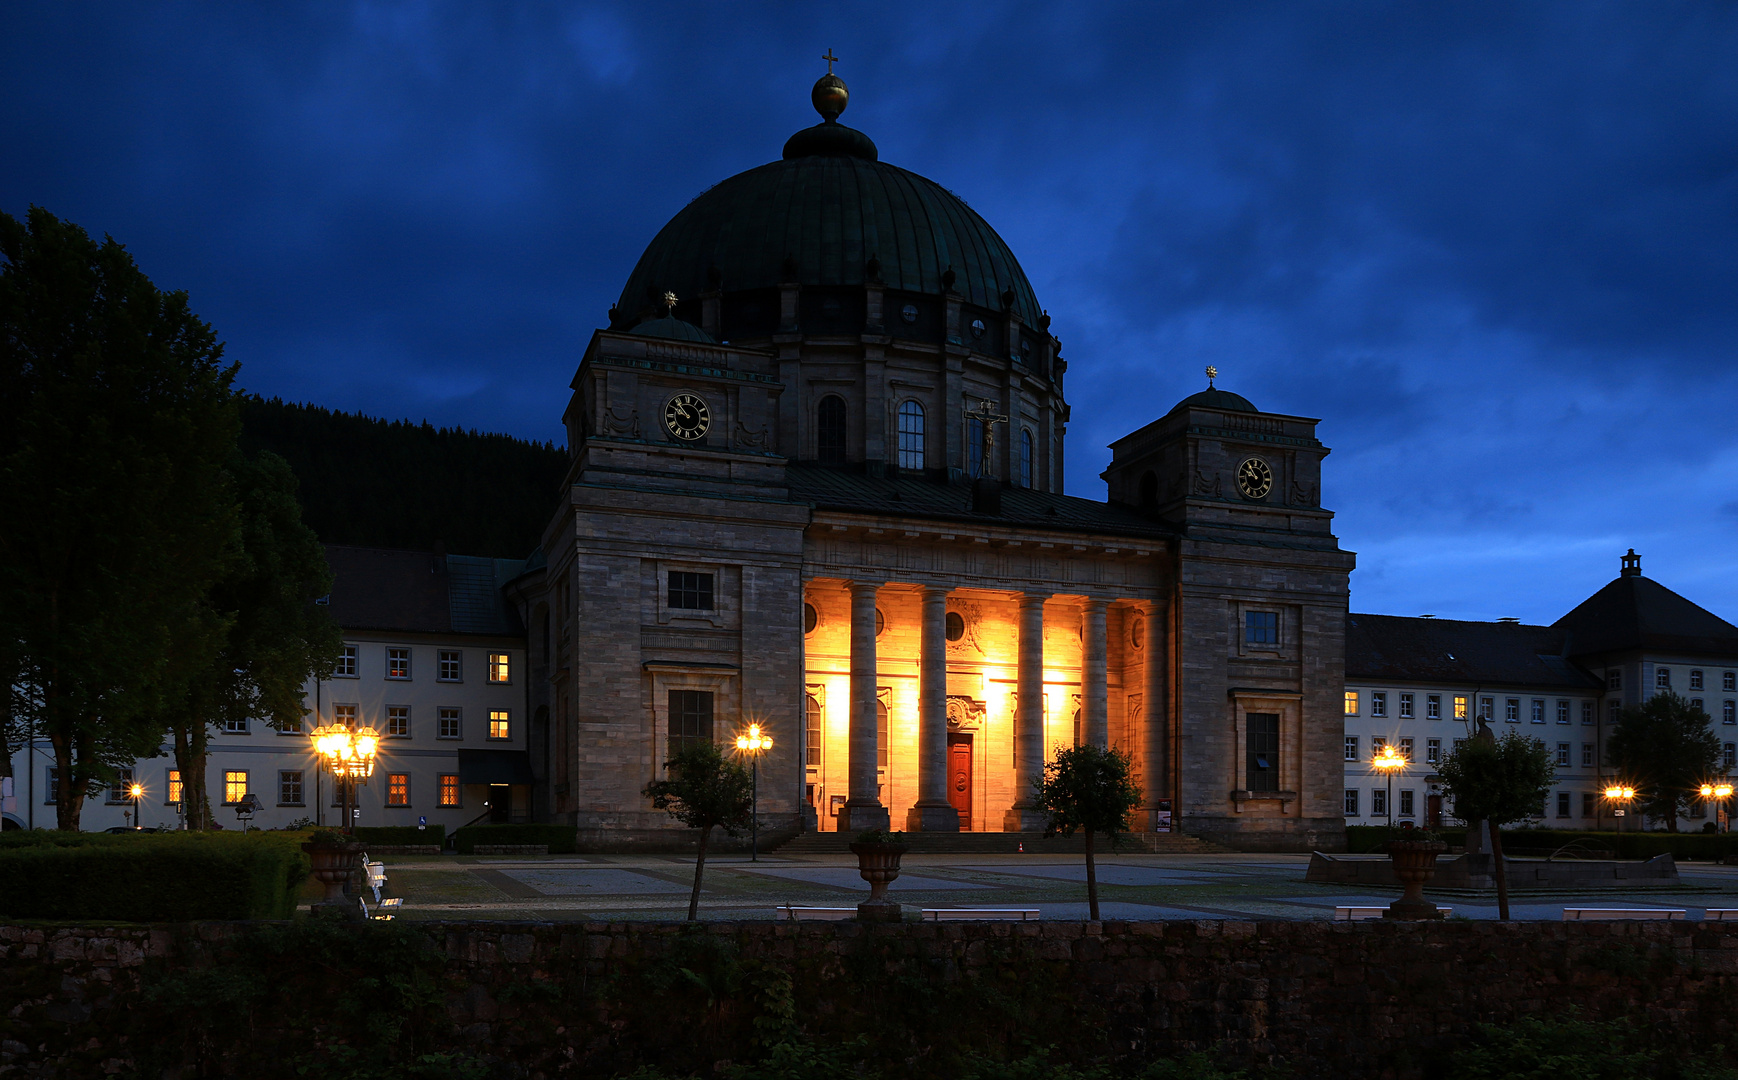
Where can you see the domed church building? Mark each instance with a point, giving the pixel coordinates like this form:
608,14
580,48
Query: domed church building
817,484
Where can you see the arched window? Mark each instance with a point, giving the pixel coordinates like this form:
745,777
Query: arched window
910,435
814,731
830,430
881,735
1025,457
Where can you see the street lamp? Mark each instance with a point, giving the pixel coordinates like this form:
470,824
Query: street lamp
1720,793
1623,795
134,792
349,755
1388,760
754,744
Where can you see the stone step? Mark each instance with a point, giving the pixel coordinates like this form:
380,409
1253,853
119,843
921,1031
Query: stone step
1000,843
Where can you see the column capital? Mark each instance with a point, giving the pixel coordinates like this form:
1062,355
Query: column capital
1099,603
859,585
1026,598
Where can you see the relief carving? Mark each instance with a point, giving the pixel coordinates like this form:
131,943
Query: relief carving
757,438
964,712
969,614
1204,486
1304,494
628,425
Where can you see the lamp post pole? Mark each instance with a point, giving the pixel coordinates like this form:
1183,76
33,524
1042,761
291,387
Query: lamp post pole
753,743
135,791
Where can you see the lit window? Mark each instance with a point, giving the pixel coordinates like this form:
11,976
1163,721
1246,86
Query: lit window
1459,707
1432,751
690,592
451,667
174,786
1378,704
1563,754
1663,678
346,667
881,735
398,663
1695,680
500,667
911,436
1433,706
1351,703
344,715
1406,706
290,787
398,721
812,728
1261,628
1351,802
1351,748
1025,459
447,721
499,727
234,786
1562,711
398,789
449,789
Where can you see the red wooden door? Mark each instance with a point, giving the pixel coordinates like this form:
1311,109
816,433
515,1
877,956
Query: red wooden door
959,778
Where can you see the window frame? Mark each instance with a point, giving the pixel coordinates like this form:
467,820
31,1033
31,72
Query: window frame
503,717
403,712
449,714
1258,747
1352,743
1261,629
1696,678
910,431
285,787
393,663
349,663
500,668
235,725
1462,707
830,424
1563,716
454,657
683,586
1352,703
449,782
397,790
1026,455
1406,706
1352,802
1662,678
1565,752
347,713
228,791
690,716
1512,710
1433,706
1432,751
1536,711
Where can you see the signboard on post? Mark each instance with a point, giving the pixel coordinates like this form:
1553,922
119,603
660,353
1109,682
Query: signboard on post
1162,819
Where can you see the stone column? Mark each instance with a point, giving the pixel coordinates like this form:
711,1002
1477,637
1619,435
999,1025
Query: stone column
1028,718
933,813
863,809
1155,742
1094,674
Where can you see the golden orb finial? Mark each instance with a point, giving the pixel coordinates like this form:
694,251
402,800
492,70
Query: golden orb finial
669,303
829,95
1212,373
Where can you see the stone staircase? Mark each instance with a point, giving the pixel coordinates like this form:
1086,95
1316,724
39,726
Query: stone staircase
1000,843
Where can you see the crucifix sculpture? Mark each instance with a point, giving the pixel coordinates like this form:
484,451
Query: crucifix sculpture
986,416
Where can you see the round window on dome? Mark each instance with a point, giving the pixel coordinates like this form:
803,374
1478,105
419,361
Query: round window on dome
978,328
956,626
908,313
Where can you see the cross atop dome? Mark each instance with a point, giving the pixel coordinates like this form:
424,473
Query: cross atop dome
830,59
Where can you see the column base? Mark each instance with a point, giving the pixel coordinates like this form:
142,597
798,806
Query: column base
856,819
1024,819
932,817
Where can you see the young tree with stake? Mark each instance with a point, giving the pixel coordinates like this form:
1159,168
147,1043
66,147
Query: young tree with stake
1499,782
705,789
1088,788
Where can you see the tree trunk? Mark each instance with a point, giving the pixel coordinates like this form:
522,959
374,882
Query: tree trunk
69,799
1502,874
190,759
699,869
1091,879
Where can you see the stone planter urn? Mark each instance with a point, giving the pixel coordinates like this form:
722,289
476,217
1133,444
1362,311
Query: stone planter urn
333,863
878,862
1414,864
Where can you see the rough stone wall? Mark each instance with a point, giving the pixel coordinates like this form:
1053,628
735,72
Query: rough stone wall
546,1000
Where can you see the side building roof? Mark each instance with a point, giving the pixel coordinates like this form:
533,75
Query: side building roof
423,592
1634,613
1396,648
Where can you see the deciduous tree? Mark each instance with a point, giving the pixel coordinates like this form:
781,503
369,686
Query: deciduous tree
1664,748
1499,782
1088,789
705,789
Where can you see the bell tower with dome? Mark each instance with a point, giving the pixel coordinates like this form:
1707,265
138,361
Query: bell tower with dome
816,484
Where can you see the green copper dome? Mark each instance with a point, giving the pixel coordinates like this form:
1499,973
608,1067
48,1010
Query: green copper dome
818,218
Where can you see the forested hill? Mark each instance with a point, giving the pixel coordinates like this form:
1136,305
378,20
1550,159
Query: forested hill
397,484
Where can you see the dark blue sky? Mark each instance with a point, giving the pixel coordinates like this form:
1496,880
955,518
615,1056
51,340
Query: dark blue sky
1493,246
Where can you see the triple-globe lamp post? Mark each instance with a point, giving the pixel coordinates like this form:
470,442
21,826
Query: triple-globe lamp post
1719,793
1389,761
349,756
753,743
1621,795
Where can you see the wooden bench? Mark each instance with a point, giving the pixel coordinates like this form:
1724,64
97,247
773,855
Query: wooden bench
833,914
1605,914
1720,914
374,877
1359,914
980,914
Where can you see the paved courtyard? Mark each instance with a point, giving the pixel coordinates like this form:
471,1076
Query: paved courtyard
1229,886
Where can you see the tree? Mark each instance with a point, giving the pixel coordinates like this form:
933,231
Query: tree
1088,788
1665,748
270,635
1498,782
117,417
704,790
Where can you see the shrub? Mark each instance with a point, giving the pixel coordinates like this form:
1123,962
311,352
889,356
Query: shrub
562,839
151,877
402,834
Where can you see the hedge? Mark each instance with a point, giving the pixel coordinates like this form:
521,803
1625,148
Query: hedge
402,834
151,877
562,839
1636,845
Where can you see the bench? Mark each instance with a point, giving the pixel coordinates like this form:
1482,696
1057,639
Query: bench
1720,914
1359,914
980,914
832,914
375,879
1603,914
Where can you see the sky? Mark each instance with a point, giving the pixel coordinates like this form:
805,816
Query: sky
1493,246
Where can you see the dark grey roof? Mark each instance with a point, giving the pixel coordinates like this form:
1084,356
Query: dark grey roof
1634,612
383,589
673,329
919,497
1444,651
1214,398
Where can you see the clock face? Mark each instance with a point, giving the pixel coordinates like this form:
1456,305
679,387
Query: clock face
687,417
1254,478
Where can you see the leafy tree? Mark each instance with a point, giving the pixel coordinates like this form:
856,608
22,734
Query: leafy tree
704,790
269,635
1499,782
117,418
1666,749
1088,788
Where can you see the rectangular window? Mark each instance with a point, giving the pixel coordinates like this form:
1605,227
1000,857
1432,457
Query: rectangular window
447,724
345,716
1587,804
1485,706
1614,679
398,789
500,724
1563,755
1406,748
1729,681
1562,711
1351,703
1562,804
1587,755
1729,754
1612,710
235,725
1378,802
1458,743
290,787
1663,678
690,719
1379,704
1695,680
1696,704
1263,745
449,790
450,666
1406,706
1351,802
1432,751
292,727
1538,713
1587,713
1351,748
1377,742
500,667
881,731
174,787
1433,706
690,592
398,721
1261,628
234,786
398,663
1459,707
1729,712
1512,710
346,667
119,790
1405,802
812,729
